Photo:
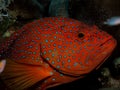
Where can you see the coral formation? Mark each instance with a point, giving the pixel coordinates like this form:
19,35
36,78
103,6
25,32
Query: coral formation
3,8
5,17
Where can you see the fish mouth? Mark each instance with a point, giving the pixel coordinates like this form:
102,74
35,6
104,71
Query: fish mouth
111,41
98,58
107,47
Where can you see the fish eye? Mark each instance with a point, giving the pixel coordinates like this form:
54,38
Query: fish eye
80,35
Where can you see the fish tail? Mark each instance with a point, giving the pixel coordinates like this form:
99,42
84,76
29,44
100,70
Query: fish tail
18,76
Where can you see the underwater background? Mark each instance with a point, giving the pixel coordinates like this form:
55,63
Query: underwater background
16,13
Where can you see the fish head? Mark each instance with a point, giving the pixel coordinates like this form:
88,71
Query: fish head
97,45
76,51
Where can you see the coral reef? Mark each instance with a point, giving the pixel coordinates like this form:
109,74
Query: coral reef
5,24
110,75
109,89
4,8
5,18
107,80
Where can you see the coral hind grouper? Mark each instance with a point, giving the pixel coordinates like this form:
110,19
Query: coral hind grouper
53,51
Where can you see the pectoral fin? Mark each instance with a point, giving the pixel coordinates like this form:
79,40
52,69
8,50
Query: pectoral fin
19,76
2,65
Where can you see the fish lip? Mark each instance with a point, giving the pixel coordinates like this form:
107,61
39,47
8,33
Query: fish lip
108,47
111,41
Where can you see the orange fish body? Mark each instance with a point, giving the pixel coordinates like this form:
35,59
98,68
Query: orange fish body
53,51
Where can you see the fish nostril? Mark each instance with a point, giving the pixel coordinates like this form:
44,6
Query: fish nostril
80,35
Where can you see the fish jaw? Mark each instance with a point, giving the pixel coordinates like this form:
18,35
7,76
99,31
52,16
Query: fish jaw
107,47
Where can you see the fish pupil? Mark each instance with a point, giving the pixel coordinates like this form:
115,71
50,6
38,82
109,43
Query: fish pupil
80,35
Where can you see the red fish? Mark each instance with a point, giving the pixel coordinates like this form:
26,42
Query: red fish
53,51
